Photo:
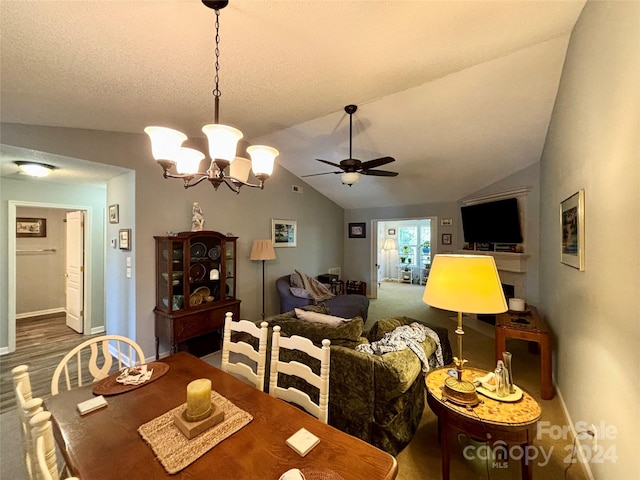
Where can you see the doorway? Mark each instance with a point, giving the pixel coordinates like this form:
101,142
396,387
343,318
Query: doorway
42,256
402,249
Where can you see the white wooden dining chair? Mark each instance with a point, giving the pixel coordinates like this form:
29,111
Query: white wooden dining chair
28,407
297,369
97,355
254,374
46,464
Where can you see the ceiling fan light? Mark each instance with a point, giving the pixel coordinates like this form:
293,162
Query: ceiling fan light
34,169
262,159
349,178
165,142
223,141
240,169
188,160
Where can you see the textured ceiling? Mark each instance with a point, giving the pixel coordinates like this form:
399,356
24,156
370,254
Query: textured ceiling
459,93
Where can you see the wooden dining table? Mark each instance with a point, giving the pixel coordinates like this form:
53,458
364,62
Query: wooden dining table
105,444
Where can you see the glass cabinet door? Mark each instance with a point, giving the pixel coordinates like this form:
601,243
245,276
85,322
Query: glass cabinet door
170,278
230,264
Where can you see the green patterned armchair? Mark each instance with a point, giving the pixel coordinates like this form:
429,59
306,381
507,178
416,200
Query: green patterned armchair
377,398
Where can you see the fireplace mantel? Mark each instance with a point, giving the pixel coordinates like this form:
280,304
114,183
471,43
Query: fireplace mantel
505,261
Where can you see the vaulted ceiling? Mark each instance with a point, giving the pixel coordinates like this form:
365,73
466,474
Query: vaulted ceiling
459,93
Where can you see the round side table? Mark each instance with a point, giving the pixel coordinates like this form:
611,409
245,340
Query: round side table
510,422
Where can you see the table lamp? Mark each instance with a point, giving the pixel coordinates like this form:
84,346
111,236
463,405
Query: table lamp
470,284
262,250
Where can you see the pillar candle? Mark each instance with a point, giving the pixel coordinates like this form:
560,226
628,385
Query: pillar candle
198,397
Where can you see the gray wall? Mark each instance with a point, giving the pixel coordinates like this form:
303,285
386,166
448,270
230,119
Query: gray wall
160,205
592,144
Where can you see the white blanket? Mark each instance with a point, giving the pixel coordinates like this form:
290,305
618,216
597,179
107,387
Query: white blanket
407,336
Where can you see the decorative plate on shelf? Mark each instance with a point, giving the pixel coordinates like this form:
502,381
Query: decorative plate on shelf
197,272
214,253
198,250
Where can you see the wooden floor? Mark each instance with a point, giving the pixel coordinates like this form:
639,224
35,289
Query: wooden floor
41,342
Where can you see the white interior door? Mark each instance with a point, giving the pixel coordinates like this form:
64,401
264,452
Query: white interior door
74,273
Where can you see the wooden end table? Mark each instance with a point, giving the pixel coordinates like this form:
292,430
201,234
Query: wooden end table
510,422
512,325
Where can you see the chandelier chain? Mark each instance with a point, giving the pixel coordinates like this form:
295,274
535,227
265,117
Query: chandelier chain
216,91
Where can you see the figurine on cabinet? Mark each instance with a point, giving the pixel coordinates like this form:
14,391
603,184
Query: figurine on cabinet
197,220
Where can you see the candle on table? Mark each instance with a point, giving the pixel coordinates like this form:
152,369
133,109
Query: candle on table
198,398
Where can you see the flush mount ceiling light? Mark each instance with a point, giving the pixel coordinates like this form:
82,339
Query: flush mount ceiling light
225,146
35,169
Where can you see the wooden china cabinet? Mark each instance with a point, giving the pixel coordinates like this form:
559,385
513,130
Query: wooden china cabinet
195,286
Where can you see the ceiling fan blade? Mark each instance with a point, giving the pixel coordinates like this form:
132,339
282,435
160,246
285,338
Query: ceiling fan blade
316,174
377,162
328,163
379,173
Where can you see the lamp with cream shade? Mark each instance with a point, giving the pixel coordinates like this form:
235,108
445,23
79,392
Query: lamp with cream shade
464,284
262,250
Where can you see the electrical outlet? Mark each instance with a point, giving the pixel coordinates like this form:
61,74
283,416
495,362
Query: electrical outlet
594,436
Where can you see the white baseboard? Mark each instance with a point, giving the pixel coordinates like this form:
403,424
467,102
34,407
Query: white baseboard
39,313
95,330
586,466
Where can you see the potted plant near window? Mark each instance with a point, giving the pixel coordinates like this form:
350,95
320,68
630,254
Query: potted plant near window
426,246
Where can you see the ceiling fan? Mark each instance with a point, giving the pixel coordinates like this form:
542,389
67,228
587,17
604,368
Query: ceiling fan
352,168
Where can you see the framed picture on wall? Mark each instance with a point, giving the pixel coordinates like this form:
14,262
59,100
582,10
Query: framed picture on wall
114,213
446,222
357,230
284,233
125,239
446,239
572,230
31,227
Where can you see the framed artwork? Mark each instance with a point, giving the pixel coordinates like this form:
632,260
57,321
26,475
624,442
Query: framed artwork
31,227
284,233
391,231
114,213
446,222
125,239
446,239
357,230
572,228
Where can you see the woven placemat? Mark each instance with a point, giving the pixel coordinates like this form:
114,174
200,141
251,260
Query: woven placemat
175,451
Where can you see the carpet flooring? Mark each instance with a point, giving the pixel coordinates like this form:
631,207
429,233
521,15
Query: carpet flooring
421,459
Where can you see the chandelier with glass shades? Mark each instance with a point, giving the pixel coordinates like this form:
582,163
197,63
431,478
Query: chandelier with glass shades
226,149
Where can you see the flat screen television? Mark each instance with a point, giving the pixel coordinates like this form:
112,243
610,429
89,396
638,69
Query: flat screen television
492,222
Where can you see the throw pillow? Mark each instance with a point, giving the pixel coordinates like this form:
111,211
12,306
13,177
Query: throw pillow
320,318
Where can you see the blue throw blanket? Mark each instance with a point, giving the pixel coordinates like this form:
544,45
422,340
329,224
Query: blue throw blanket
407,336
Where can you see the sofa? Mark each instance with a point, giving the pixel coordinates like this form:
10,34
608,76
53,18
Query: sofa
377,398
346,306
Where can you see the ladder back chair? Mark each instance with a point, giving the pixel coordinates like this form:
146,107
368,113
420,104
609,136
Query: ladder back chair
297,369
46,463
259,357
28,407
96,355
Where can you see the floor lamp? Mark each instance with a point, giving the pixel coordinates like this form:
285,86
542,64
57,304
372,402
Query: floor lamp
388,245
470,284
262,250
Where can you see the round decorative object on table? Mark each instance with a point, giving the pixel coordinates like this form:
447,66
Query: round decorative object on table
110,385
